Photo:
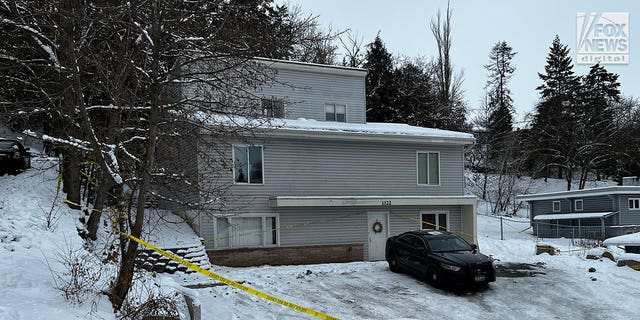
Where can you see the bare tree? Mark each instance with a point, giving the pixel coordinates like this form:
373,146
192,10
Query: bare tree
353,54
449,86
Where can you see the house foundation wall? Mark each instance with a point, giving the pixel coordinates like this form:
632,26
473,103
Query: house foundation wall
293,255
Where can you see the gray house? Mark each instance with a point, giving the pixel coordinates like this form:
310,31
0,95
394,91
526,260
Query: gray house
597,213
322,185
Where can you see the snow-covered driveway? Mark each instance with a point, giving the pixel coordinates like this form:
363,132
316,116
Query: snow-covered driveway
368,290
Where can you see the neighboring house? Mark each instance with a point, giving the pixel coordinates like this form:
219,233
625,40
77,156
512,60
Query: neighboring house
597,213
630,242
325,186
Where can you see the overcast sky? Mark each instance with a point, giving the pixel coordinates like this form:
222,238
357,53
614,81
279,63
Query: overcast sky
528,26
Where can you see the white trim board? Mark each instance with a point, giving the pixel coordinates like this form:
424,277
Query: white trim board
381,201
567,216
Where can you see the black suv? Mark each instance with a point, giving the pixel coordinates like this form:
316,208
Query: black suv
439,257
14,157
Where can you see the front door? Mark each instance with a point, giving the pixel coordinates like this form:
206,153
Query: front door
378,233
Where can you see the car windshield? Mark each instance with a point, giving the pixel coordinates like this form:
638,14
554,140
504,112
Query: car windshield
448,243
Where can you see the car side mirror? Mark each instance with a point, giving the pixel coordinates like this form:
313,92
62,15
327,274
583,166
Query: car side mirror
475,247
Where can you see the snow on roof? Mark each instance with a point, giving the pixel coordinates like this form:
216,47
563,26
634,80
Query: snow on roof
307,66
603,191
315,128
373,128
565,216
632,239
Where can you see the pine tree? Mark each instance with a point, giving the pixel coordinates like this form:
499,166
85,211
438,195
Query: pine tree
599,91
500,103
416,100
552,134
380,83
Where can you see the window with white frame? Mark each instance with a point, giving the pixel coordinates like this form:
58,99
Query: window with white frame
556,206
436,221
335,112
247,164
428,168
577,205
634,203
245,231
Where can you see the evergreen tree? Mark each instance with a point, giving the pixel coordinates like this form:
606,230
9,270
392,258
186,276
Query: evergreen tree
599,92
380,83
500,104
416,100
552,134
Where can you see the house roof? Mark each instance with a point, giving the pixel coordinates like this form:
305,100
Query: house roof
307,128
369,131
311,67
604,191
573,215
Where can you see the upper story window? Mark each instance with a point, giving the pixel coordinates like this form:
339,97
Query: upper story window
428,168
578,205
247,164
556,206
634,203
272,108
335,112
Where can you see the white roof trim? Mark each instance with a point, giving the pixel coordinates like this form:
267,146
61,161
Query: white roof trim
566,216
604,191
371,201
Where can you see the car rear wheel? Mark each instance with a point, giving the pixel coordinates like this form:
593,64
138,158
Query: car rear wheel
393,263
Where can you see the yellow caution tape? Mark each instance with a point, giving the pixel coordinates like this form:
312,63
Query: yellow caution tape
231,282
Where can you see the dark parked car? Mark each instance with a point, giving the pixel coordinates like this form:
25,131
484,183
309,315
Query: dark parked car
14,157
440,258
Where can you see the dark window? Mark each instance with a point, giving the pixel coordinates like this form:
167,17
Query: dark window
247,164
436,221
578,205
273,108
634,203
556,206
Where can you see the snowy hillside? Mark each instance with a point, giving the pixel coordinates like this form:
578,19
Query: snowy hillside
529,286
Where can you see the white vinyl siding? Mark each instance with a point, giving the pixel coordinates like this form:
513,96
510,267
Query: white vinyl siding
428,164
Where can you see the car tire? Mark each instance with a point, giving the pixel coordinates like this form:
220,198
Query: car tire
393,263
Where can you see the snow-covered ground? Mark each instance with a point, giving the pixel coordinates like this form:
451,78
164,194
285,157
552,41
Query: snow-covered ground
562,286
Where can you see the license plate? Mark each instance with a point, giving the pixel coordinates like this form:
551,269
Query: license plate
480,277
